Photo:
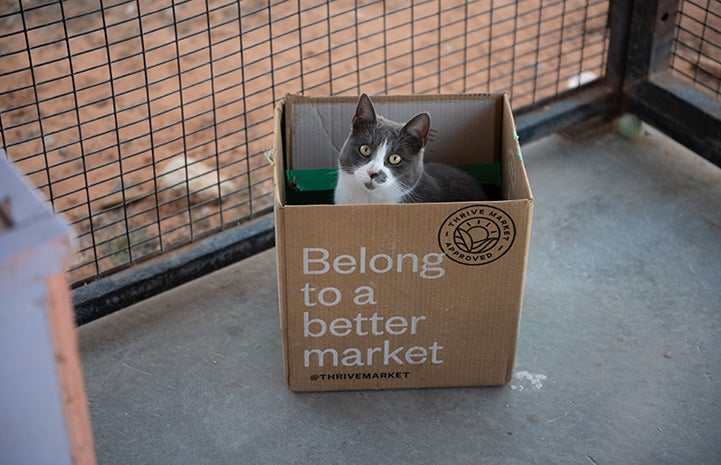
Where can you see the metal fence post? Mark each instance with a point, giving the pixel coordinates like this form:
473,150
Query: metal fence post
653,93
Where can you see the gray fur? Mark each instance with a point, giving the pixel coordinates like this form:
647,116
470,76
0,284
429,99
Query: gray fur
373,179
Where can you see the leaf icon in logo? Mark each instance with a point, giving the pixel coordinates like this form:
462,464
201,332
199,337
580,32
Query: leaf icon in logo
485,245
463,240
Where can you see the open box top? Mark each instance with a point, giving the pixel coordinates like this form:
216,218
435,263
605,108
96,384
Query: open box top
467,131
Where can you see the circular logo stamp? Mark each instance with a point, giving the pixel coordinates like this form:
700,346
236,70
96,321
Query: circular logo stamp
477,235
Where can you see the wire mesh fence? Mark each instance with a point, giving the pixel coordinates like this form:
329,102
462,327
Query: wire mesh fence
696,51
145,123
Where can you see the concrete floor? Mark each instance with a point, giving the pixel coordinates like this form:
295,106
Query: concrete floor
619,353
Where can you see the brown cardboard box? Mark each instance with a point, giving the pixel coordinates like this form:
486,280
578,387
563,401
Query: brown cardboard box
405,295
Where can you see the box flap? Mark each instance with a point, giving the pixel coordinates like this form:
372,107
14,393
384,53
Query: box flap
318,127
513,173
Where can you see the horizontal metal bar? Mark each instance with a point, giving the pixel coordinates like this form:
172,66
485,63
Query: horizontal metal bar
140,282
566,110
688,115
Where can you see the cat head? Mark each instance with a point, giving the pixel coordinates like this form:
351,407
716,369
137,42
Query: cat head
384,156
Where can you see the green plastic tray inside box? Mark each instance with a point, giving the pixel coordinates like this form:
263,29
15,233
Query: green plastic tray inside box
307,187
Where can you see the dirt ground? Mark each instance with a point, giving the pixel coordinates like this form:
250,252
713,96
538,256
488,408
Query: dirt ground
107,109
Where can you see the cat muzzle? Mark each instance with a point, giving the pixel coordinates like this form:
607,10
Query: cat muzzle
376,178
379,177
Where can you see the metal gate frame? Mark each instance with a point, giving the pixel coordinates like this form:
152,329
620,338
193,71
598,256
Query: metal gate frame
638,80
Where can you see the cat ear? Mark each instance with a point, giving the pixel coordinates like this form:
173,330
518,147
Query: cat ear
364,112
418,127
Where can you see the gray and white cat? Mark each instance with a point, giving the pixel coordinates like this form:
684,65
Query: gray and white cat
381,161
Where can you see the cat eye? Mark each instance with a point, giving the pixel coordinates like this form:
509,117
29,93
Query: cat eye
365,150
394,159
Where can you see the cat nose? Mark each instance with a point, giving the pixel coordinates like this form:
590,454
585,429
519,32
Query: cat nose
377,176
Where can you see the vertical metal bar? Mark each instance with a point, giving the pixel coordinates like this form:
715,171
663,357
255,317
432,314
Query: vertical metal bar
557,90
385,43
413,48
513,48
357,48
704,29
31,67
489,64
650,39
465,47
300,46
244,116
583,41
663,35
620,14
80,134
439,44
117,131
538,52
182,115
272,85
330,47
214,111
153,156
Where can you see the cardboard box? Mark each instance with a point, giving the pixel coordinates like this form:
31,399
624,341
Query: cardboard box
403,295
